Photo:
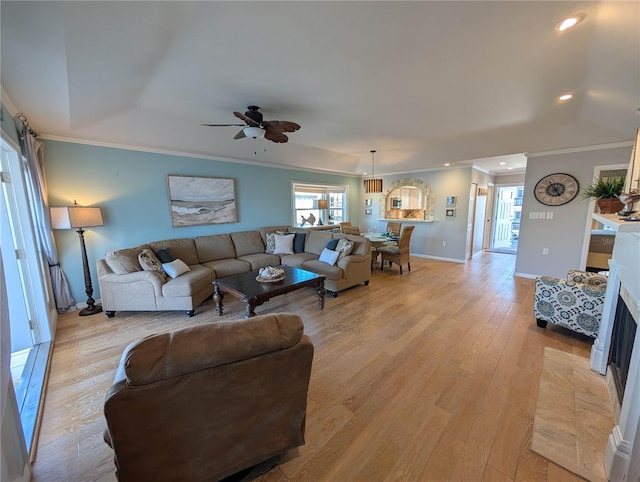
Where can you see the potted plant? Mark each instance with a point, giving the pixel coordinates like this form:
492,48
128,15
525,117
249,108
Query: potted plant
605,192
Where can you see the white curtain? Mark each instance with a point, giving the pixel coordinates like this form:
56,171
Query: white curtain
33,152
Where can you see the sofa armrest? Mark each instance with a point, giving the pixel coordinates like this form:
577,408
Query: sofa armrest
587,277
124,281
345,262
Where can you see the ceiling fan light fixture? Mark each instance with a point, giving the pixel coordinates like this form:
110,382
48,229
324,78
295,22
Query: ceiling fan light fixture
254,132
372,185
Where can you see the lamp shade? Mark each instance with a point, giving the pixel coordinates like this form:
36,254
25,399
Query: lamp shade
320,204
373,185
254,132
69,217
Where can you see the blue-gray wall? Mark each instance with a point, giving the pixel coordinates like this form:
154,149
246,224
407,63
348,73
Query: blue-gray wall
131,189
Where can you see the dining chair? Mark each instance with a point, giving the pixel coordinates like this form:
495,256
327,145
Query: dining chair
343,224
394,227
350,229
398,254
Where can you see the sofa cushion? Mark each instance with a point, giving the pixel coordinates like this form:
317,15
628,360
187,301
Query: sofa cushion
164,255
150,262
296,260
189,283
271,243
361,245
316,241
344,247
329,256
175,268
181,248
298,242
261,260
228,267
214,247
125,261
271,229
247,242
284,244
332,244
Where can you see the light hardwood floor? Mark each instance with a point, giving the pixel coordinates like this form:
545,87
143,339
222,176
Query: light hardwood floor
432,375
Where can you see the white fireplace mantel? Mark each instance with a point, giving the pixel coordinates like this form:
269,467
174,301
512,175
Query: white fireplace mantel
624,280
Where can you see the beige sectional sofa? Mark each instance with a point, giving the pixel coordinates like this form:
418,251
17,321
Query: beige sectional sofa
126,286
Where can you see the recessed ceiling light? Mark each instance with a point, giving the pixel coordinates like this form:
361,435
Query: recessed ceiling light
509,168
503,163
568,23
565,97
446,164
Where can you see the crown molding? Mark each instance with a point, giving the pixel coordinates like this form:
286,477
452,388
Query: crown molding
191,155
570,150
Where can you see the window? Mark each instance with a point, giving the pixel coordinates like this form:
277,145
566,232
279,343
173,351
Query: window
308,211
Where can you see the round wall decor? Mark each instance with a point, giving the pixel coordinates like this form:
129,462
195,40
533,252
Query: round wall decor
556,189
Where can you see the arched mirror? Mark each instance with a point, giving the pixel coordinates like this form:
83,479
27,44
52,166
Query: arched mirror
409,199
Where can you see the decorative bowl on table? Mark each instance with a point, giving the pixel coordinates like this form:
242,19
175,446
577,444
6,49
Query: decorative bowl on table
270,274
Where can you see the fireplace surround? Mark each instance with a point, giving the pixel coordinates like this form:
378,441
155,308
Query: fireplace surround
623,451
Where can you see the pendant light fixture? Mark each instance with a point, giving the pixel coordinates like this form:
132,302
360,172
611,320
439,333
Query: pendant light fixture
372,184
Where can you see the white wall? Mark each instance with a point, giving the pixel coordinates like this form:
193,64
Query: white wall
563,235
509,179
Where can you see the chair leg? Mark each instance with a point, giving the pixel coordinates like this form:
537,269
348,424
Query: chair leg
400,268
409,266
541,323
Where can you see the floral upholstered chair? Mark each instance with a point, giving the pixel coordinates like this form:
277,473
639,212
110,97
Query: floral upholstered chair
575,303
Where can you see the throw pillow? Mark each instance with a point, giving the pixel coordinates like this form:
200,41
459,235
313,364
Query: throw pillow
344,247
271,243
150,262
329,256
298,242
331,244
175,268
284,244
164,255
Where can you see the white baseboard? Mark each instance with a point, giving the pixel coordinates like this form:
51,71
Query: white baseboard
439,258
525,275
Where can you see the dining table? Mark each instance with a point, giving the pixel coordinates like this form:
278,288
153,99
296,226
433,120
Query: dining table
377,240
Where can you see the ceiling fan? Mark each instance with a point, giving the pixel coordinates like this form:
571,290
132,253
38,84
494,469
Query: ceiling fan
255,127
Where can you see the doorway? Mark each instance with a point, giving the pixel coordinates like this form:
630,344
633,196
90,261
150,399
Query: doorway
506,219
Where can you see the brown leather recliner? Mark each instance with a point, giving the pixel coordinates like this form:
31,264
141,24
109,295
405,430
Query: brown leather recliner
205,402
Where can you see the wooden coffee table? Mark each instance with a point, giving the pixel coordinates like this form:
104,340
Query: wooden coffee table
253,293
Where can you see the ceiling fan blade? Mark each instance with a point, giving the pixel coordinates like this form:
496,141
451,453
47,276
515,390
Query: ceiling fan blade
248,120
282,126
275,135
240,135
221,125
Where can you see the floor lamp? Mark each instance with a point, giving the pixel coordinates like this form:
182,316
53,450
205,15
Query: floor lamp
76,217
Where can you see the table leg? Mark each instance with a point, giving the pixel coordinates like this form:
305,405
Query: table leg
218,294
250,304
321,292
